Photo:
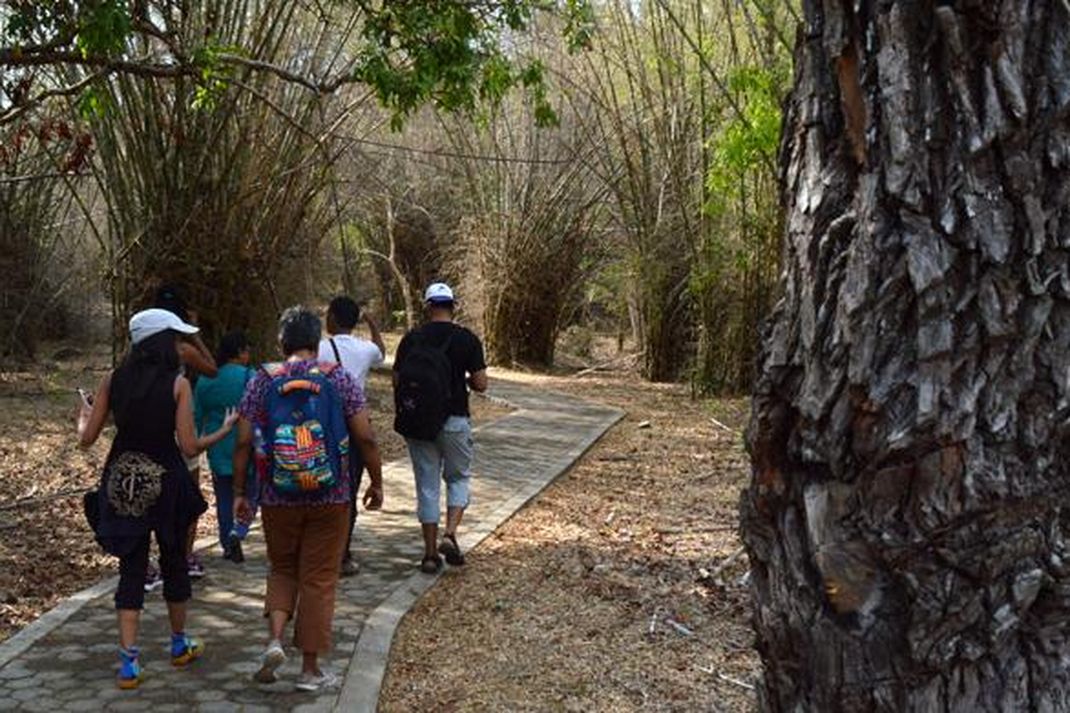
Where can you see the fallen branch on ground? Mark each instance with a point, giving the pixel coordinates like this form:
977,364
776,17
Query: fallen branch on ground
14,504
678,626
735,681
715,573
721,425
695,530
605,365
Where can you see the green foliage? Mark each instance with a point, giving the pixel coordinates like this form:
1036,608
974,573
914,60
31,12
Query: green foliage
732,282
91,104
747,142
93,27
212,74
29,20
579,24
457,55
103,27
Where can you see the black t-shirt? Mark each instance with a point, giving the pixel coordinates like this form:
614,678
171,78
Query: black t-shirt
465,353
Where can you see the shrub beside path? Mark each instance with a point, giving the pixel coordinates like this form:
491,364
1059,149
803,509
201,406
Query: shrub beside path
66,660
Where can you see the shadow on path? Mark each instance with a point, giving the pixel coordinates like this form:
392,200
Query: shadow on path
66,660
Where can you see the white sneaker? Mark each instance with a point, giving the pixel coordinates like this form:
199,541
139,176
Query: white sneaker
270,660
312,683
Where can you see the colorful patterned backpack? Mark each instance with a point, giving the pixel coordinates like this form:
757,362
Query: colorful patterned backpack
306,440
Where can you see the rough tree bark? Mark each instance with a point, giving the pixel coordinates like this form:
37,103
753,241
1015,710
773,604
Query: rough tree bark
909,432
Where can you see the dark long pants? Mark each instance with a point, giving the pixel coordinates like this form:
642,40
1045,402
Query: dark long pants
356,475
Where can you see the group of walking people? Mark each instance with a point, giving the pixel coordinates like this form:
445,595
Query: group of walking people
291,438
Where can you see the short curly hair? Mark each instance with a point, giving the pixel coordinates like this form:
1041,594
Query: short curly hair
299,328
346,312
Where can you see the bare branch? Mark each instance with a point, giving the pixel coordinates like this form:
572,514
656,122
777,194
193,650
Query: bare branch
14,112
40,177
279,72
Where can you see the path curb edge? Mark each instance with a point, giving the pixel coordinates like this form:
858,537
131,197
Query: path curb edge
367,668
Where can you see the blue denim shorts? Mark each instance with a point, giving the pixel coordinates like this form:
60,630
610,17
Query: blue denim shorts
449,458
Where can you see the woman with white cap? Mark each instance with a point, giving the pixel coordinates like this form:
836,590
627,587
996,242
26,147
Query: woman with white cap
146,487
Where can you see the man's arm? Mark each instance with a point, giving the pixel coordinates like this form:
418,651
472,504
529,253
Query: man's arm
360,430
477,367
193,353
377,337
478,381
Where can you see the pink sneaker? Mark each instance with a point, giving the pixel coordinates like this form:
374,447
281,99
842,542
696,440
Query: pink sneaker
153,580
195,568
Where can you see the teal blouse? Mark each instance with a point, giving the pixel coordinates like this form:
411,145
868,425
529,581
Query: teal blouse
211,399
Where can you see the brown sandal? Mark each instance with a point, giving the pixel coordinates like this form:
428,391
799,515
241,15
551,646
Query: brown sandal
451,550
431,565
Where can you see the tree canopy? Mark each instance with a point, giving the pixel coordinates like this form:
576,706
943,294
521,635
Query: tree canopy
453,55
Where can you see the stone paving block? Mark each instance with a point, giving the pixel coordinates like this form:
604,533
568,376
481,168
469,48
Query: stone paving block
22,683
39,704
220,707
154,683
14,670
210,695
71,695
73,665
71,656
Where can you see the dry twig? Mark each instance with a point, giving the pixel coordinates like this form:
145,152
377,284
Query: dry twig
612,362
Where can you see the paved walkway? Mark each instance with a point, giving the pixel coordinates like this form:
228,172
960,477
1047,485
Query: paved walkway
66,660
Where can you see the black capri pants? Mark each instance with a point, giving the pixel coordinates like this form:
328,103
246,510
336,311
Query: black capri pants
135,564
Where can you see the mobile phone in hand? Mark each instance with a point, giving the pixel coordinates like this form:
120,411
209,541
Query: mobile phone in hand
87,398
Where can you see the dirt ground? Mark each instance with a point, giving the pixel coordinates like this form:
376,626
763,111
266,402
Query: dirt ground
620,588
47,551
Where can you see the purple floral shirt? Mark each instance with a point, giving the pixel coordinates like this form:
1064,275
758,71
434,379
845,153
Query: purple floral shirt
253,407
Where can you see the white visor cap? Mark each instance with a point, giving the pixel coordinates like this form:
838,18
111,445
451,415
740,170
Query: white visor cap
148,322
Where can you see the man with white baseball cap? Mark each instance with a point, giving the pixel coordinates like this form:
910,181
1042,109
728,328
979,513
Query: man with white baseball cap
434,367
148,322
438,292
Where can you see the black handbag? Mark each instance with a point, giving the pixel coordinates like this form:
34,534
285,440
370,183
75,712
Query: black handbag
91,507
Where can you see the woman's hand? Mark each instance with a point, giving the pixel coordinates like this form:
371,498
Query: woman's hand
230,417
85,410
243,510
373,496
93,413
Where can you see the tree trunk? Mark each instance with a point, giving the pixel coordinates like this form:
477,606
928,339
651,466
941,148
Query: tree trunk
908,438
392,260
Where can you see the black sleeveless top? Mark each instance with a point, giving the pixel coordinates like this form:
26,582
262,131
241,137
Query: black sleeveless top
145,423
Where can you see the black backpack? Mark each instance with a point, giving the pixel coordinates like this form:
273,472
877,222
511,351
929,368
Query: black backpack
422,390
